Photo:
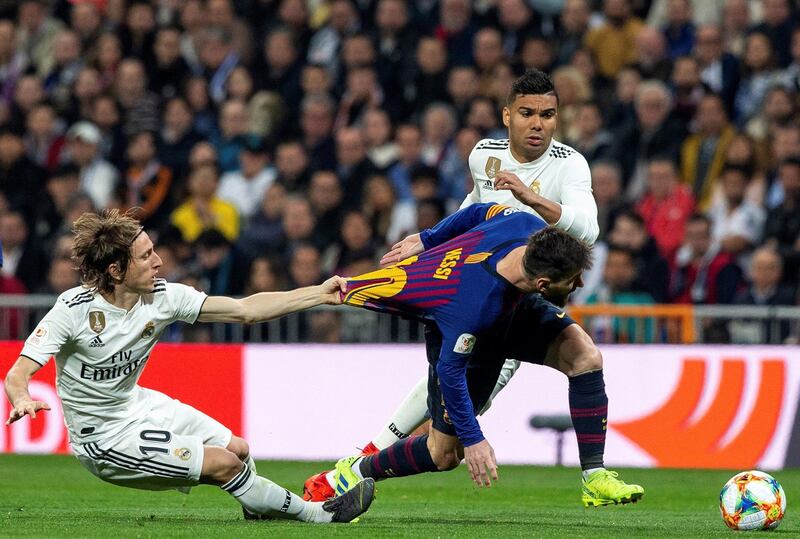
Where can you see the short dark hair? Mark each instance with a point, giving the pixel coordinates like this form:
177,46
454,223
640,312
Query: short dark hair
553,253
532,82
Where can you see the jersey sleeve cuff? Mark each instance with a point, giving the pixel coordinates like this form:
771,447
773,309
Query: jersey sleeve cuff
42,363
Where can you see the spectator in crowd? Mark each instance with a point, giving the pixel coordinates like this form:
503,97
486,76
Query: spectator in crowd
357,242
61,185
765,288
688,90
620,287
45,141
354,165
292,164
219,265
264,230
147,184
719,69
381,149
592,140
666,206
177,136
408,138
327,41
27,94
61,276
463,88
574,25
679,29
744,152
22,255
20,179
703,152
785,144
99,178
430,80
218,59
263,277
317,112
759,73
791,75
232,129
36,34
607,191
246,186
325,196
782,227
653,58
613,43
778,109
652,270
701,273
390,220
203,209
736,223
139,106
167,69
66,66
777,25
652,133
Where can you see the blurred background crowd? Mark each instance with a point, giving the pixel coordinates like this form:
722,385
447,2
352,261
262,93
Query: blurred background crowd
272,143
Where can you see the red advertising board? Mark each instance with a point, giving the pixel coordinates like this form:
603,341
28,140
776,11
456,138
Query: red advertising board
208,377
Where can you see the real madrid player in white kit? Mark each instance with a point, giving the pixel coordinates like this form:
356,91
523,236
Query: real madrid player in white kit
101,335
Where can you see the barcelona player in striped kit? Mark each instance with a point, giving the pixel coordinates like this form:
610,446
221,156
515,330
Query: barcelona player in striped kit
470,279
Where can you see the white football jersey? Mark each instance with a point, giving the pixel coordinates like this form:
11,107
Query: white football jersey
101,350
561,174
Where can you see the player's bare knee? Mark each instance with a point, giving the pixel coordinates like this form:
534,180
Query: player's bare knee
239,447
220,465
446,461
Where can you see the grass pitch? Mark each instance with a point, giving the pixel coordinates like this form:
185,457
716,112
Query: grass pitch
53,496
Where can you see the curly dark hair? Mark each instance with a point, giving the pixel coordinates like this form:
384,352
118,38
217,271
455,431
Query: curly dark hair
101,240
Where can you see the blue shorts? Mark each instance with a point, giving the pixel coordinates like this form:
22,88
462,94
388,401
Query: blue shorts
525,335
531,328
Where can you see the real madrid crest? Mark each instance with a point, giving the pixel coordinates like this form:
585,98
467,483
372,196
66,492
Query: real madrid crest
97,321
492,167
536,186
148,330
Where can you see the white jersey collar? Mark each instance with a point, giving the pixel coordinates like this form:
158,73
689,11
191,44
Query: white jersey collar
529,163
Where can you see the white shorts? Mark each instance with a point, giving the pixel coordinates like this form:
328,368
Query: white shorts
161,451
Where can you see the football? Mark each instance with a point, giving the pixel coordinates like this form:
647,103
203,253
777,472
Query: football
752,500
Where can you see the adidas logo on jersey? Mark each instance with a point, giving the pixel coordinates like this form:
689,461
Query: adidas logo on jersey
96,343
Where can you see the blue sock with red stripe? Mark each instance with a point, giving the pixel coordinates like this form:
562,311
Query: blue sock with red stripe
588,406
409,456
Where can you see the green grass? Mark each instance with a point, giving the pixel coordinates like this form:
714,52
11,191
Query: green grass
54,496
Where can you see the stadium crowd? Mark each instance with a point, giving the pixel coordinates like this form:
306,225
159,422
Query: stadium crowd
268,144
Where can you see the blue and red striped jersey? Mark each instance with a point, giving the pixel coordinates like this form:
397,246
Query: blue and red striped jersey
454,284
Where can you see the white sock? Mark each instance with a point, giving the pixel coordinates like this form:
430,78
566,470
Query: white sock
261,496
408,416
250,463
590,471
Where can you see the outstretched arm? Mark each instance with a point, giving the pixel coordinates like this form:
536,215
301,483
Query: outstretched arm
17,380
268,305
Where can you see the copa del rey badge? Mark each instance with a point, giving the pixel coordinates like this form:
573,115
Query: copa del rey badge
97,321
464,344
492,167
